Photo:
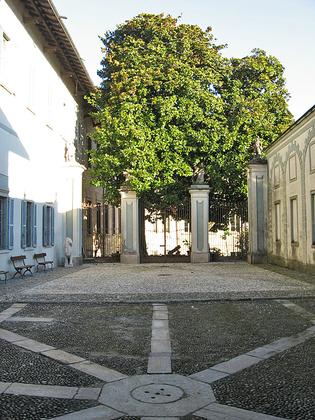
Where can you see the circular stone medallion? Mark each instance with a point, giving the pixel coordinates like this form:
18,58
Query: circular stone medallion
157,393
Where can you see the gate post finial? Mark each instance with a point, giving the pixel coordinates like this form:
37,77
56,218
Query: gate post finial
199,223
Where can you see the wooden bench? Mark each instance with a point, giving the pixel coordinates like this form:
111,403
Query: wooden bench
4,274
20,267
42,262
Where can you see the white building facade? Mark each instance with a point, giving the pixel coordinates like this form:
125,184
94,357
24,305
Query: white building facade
291,196
42,84
282,199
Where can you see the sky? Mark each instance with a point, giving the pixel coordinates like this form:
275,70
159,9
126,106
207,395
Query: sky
283,28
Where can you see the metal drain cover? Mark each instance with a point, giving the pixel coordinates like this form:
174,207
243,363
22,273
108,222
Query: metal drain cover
157,393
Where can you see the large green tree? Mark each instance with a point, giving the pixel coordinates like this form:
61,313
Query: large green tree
170,102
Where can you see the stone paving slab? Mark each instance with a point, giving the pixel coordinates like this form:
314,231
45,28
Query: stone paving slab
33,345
208,375
236,364
98,371
28,319
160,346
96,413
159,364
62,356
7,313
159,418
88,393
4,386
224,412
10,336
49,391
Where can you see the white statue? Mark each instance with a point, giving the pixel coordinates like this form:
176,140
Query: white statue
68,252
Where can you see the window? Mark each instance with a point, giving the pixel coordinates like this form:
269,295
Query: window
48,226
312,157
89,218
294,220
29,224
276,176
292,168
277,222
313,217
98,217
6,222
3,222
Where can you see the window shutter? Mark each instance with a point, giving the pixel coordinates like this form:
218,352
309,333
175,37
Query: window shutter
52,226
34,225
10,223
45,226
23,224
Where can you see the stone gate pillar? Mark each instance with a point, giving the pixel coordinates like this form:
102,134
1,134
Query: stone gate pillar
199,223
129,227
257,178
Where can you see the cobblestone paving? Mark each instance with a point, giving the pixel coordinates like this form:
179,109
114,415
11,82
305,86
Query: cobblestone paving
28,367
154,282
121,336
282,386
116,336
224,330
20,407
307,304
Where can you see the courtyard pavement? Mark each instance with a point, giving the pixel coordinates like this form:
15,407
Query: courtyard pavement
106,341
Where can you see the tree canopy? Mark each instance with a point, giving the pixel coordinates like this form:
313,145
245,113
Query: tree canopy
170,102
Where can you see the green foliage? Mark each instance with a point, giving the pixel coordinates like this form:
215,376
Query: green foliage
170,101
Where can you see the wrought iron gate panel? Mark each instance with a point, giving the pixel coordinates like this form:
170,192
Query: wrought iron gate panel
228,230
165,233
101,232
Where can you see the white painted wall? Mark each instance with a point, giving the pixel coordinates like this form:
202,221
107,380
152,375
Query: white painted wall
37,120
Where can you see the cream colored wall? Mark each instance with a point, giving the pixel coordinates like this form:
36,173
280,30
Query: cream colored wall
295,143
38,117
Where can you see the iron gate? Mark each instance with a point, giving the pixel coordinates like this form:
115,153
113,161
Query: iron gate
228,230
165,235
101,231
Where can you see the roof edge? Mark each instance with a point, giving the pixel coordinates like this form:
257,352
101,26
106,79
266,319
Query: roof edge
291,127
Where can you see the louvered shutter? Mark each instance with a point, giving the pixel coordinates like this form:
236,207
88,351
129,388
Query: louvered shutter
23,223
34,225
10,223
52,226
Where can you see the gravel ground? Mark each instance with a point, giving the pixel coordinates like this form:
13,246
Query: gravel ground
35,408
19,365
204,334
308,304
4,306
282,386
118,282
116,336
